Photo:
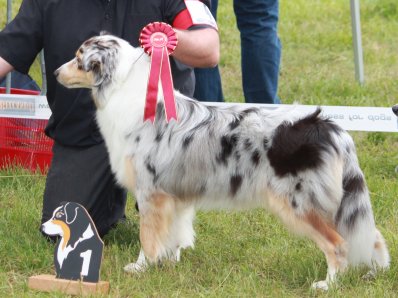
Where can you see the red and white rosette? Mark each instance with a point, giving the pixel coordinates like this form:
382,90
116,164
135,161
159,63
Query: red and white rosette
159,40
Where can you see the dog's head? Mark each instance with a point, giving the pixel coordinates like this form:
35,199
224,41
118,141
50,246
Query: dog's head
70,220
395,109
63,217
100,62
94,63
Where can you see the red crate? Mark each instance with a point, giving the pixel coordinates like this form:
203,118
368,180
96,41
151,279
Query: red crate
23,141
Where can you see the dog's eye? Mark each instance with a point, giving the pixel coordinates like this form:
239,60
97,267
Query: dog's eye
79,63
59,214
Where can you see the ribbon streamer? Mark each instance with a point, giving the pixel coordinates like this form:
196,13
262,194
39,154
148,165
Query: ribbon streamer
159,40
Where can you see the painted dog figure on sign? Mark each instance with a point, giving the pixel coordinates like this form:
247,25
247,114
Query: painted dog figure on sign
301,166
78,253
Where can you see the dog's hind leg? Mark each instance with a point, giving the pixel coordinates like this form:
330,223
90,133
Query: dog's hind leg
332,245
315,227
329,242
156,216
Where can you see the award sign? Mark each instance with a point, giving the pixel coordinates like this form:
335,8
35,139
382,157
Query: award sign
77,255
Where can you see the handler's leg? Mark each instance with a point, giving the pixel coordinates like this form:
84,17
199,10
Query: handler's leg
257,22
83,175
208,85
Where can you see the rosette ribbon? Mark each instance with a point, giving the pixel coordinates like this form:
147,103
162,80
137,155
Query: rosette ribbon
159,40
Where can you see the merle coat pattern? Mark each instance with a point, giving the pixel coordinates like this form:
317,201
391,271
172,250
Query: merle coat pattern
300,166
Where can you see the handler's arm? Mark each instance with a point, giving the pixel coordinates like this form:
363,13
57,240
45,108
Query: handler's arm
198,48
5,67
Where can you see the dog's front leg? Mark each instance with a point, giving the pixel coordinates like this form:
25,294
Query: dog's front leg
156,216
139,266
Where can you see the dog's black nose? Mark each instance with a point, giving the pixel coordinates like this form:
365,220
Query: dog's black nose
395,109
56,73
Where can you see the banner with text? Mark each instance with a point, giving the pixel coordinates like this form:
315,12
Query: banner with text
349,118
24,106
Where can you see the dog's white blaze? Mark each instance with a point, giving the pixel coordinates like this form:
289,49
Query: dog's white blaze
51,229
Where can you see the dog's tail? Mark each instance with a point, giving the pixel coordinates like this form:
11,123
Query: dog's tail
354,218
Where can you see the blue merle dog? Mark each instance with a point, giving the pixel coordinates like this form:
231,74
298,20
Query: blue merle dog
300,166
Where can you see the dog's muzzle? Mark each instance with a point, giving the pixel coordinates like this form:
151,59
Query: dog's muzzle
51,229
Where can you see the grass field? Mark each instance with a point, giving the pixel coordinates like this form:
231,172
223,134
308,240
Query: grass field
247,254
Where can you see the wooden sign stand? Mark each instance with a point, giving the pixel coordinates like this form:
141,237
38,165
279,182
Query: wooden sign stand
77,255
49,283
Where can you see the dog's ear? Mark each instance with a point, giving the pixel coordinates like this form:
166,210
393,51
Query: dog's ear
92,63
100,58
94,66
71,212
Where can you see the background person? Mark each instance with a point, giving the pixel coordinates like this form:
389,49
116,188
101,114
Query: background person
257,21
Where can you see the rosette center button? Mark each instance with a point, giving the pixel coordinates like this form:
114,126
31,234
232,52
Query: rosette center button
159,39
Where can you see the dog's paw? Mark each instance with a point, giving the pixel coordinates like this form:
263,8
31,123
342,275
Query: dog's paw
175,256
322,285
134,268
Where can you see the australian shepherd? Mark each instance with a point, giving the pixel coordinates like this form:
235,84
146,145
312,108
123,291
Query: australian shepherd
300,166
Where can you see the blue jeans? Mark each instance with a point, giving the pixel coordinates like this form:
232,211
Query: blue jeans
257,22
208,80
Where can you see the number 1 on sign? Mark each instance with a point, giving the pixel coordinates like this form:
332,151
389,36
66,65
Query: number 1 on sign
86,261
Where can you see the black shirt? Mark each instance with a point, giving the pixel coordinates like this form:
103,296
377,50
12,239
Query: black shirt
60,27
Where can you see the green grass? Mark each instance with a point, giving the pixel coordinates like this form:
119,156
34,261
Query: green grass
246,254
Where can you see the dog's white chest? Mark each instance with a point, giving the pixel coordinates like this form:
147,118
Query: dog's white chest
116,142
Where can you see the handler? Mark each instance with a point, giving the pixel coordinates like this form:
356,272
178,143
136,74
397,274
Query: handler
80,170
